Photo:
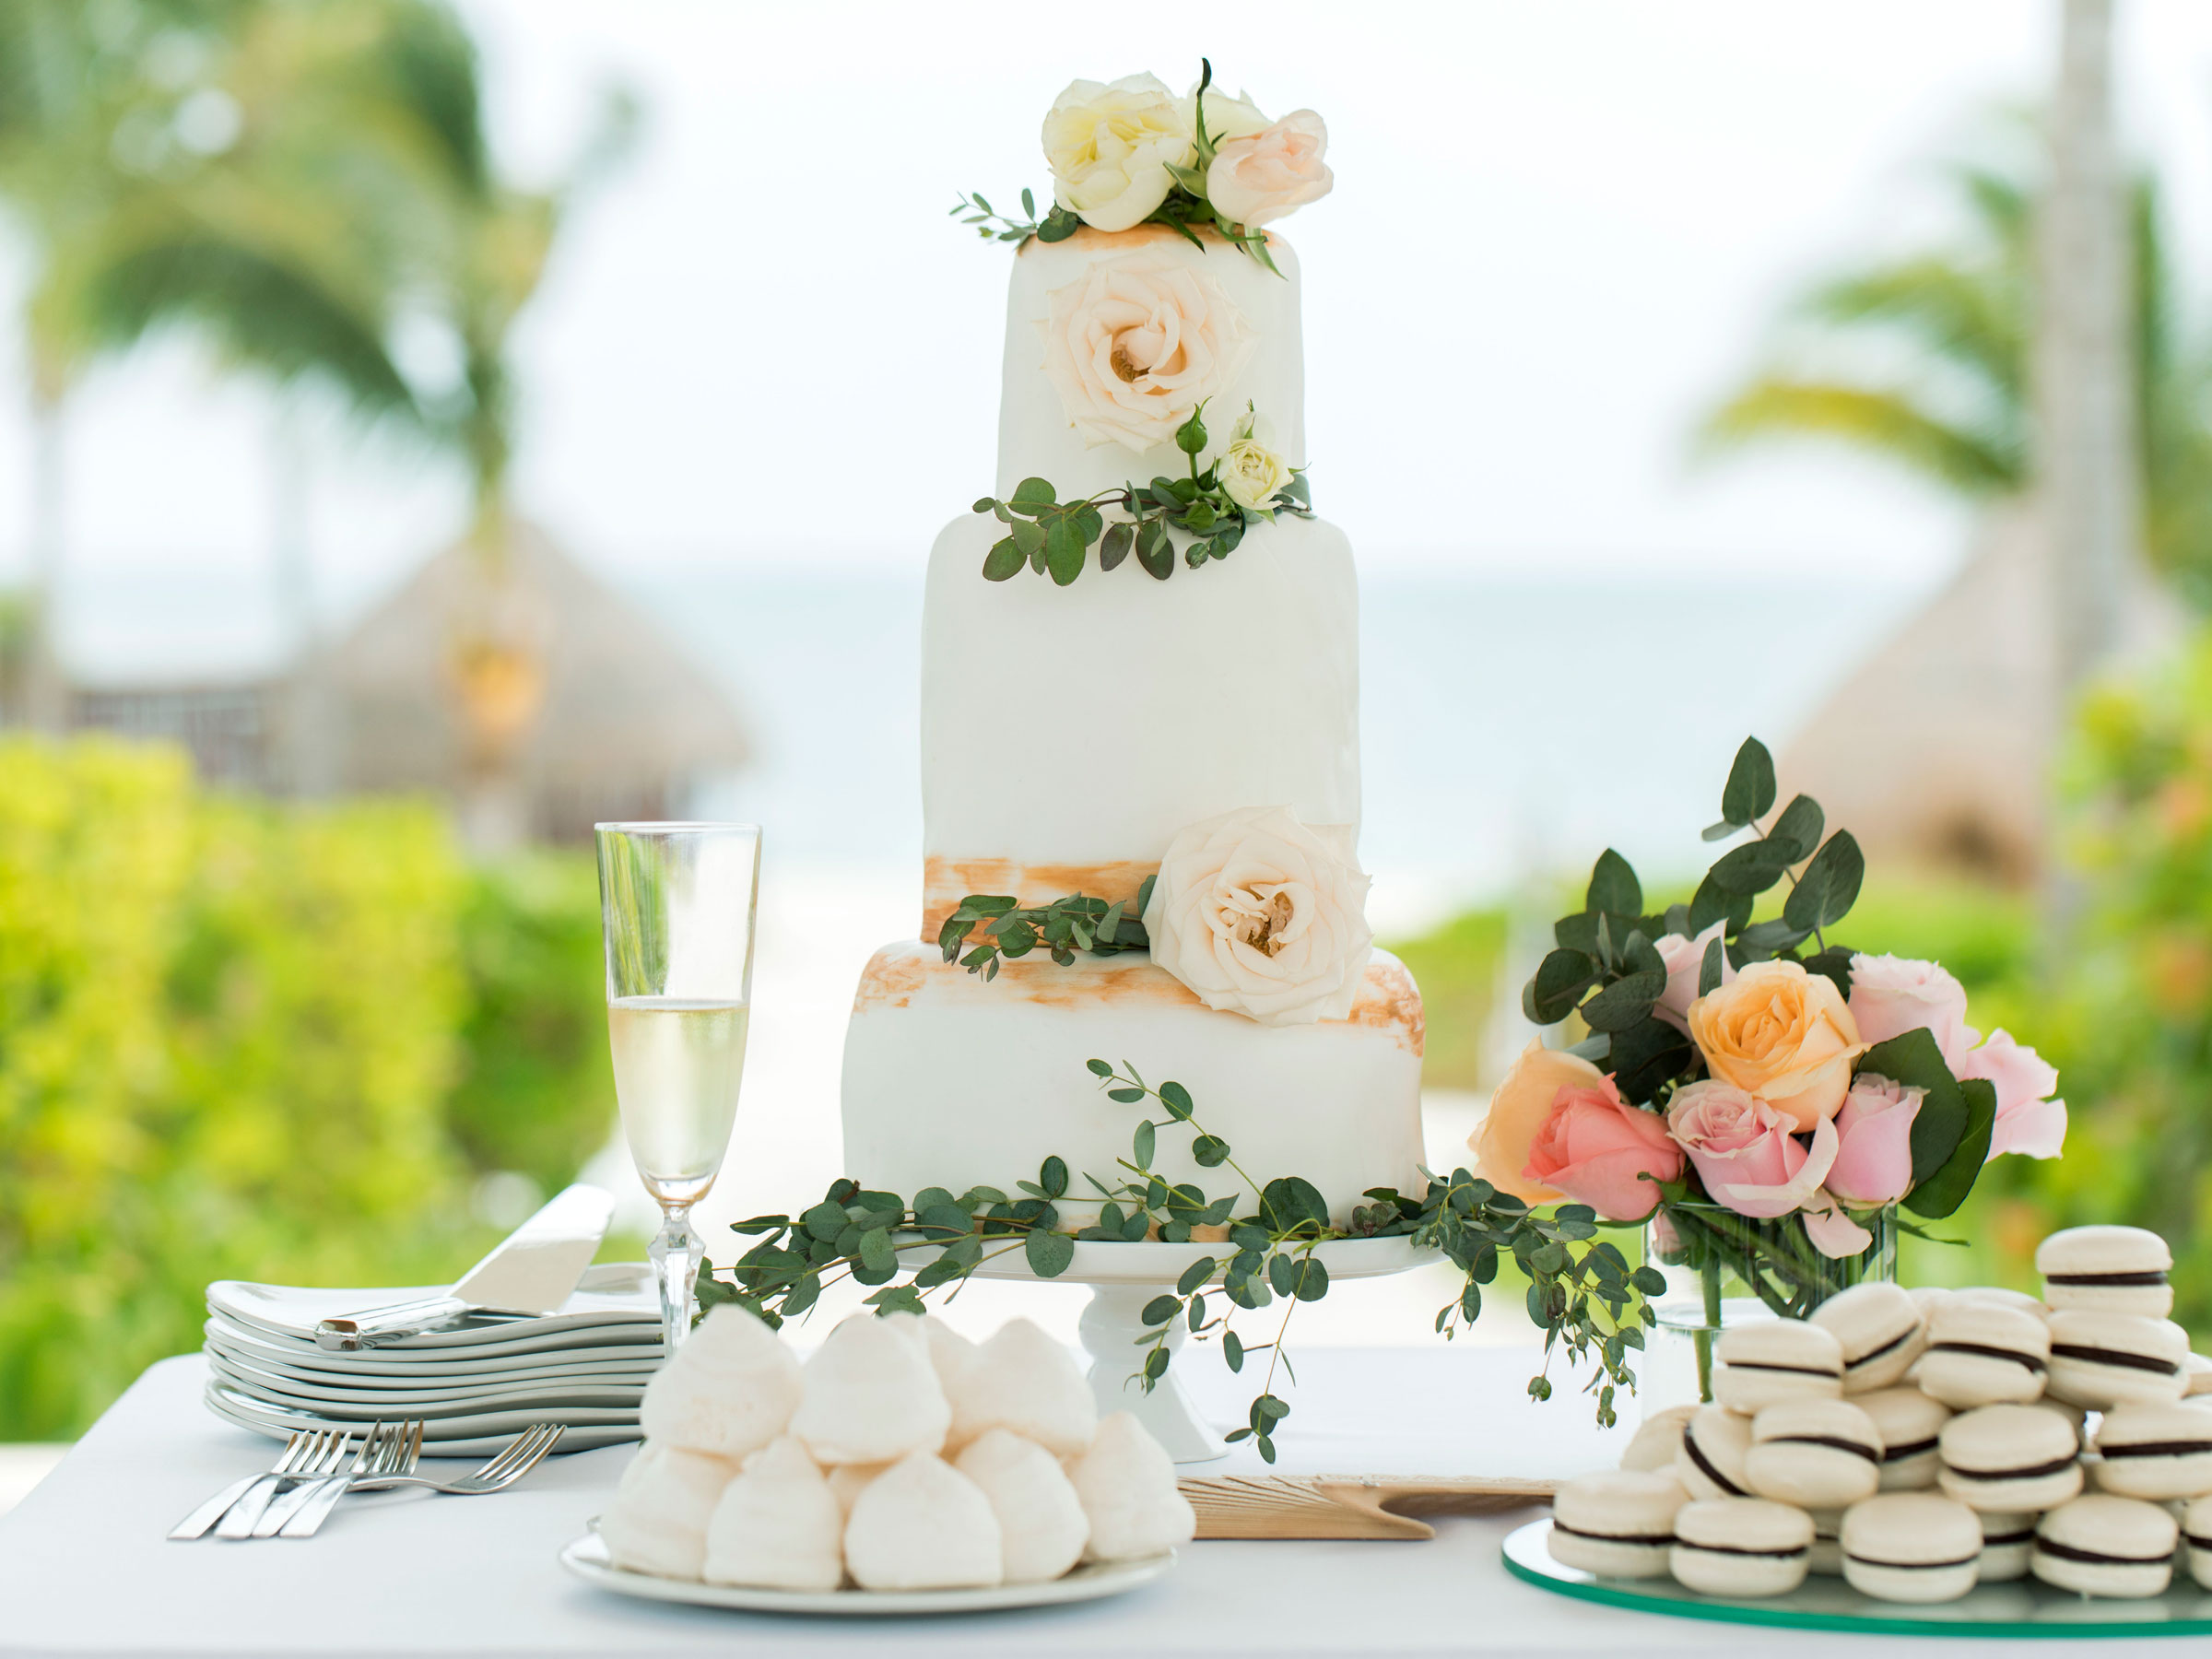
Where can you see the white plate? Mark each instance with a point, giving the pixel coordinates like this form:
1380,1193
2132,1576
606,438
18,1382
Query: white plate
612,1294
452,1436
588,1560
637,1341
627,1363
426,1402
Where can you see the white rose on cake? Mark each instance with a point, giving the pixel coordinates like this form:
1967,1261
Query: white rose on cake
1110,148
1250,472
1138,342
1260,916
1257,178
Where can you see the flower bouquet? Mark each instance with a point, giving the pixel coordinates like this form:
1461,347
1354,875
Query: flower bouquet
1762,1097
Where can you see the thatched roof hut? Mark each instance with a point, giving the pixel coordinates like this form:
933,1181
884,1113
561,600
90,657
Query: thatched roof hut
529,691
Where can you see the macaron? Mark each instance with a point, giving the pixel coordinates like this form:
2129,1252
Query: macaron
1711,1464
2160,1450
1775,1359
1658,1439
2001,1295
1827,1559
2073,1416
2106,1545
2112,1269
2006,1536
1743,1546
1881,1330
1617,1523
1814,1453
2099,1360
1980,1354
1912,1546
2198,1374
2196,1541
1908,1421
2009,1457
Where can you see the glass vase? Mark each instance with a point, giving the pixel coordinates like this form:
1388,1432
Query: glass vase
1722,1269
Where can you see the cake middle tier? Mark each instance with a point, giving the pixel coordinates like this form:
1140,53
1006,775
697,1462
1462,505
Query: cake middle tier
954,1081
1068,733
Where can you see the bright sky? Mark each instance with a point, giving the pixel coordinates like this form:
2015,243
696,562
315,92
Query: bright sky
1557,231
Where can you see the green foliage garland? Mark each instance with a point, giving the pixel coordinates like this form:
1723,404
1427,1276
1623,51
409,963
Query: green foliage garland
1581,1291
1061,927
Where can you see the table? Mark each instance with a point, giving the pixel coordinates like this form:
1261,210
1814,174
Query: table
84,1569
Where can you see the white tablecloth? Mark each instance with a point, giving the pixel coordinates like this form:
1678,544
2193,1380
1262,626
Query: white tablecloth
84,1568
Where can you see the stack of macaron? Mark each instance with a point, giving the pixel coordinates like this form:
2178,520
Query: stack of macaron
1919,1443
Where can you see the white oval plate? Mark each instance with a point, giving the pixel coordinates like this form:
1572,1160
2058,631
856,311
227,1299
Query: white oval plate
622,1364
588,1560
612,1294
460,1401
475,1436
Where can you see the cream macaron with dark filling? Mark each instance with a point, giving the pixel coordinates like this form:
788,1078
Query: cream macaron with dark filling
2009,1457
1881,1331
1814,1453
2100,1545
1983,1355
2007,1536
2160,1450
1617,1523
2099,1360
1744,1547
2196,1541
1909,1422
1912,1546
1658,1439
1710,1463
1776,1359
2109,1269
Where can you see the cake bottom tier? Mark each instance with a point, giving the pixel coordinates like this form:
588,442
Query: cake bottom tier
953,1081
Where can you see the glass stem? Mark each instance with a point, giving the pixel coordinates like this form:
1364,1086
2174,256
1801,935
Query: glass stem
1709,1332
676,1250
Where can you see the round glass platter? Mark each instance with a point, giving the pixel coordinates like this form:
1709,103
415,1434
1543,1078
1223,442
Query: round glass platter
2024,1608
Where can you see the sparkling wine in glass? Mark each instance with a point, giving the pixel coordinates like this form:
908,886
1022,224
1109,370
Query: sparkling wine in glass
678,902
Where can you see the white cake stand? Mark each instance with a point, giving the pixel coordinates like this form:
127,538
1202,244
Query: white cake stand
1125,1276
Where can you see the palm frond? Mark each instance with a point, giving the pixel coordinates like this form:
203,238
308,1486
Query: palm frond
1971,320
1886,421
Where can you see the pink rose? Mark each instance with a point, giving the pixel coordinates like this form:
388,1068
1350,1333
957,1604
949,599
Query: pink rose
1257,179
1597,1149
1685,960
1873,1141
1891,995
1744,1151
1833,1233
2028,1121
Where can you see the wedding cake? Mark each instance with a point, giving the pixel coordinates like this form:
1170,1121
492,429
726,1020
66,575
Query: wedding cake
1088,723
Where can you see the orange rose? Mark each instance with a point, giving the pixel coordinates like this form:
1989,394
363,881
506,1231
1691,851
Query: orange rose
1782,1036
1521,1102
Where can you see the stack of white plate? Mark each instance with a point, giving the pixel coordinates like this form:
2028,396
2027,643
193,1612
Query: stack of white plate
475,1385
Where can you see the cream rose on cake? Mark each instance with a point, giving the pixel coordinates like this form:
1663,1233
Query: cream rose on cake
1258,178
1110,146
1261,915
1137,343
1250,472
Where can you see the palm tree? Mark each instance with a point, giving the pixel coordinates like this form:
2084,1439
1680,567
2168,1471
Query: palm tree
1925,361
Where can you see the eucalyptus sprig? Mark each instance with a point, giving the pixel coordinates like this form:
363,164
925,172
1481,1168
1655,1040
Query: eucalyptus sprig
1008,928
1582,1290
1057,225
1054,537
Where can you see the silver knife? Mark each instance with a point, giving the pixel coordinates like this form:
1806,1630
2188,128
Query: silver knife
533,1273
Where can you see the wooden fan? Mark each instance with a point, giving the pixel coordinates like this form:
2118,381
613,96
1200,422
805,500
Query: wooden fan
1348,1506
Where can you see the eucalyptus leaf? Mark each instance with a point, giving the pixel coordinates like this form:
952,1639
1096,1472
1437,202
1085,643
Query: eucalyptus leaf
1749,792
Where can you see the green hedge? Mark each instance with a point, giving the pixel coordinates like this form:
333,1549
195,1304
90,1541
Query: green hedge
239,1040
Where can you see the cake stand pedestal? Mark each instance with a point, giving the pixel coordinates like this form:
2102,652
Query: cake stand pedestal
1123,1278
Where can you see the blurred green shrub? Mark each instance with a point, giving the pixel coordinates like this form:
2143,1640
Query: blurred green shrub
244,1040
1457,966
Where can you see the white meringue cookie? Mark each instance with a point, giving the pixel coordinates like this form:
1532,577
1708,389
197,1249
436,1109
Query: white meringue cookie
1023,1380
1127,1482
846,1481
777,1526
730,1389
657,1523
1042,1525
948,1351
923,1525
871,1395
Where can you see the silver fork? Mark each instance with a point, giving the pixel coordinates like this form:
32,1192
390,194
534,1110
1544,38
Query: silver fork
368,1454
528,1450
197,1524
327,1453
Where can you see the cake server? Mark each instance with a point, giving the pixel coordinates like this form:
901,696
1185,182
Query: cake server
532,1273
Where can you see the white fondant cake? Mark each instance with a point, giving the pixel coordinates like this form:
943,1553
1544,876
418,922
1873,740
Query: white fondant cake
1070,734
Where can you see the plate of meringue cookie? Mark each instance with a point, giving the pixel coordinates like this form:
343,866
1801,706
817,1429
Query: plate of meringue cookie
900,1469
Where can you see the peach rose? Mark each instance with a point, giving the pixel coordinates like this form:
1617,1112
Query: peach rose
1685,963
1519,1105
1873,1141
1782,1036
1744,1152
1891,995
2028,1121
1597,1149
1258,179
1136,343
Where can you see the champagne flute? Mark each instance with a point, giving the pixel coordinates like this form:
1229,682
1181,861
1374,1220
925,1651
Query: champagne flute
677,903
